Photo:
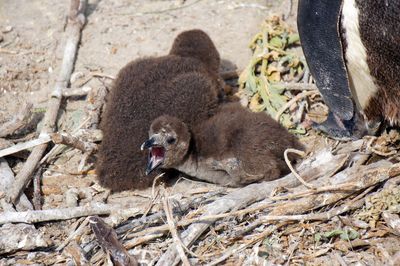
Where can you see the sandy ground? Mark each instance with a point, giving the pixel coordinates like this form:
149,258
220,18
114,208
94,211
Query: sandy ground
117,32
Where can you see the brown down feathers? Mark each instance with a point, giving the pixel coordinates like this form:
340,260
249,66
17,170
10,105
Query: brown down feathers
235,147
182,84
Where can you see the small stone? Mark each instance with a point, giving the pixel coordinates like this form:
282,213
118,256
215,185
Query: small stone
75,76
7,29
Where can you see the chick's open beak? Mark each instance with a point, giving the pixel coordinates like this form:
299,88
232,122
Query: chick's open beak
156,154
147,144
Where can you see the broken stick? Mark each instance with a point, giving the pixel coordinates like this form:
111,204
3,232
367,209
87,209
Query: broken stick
67,139
108,239
62,213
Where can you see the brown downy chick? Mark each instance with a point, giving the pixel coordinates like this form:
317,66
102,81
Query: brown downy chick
145,89
235,147
197,44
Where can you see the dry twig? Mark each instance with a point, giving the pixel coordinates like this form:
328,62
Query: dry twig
293,100
107,238
77,92
61,214
74,234
171,225
67,139
43,139
6,179
37,193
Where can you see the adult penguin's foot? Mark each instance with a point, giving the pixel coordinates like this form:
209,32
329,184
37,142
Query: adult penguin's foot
345,130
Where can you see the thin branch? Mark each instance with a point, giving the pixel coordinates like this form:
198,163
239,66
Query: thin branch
295,86
294,247
74,234
6,179
294,100
67,139
108,240
62,213
43,139
171,225
37,193
77,92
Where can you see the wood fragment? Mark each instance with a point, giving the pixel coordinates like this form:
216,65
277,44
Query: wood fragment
299,86
75,24
254,240
108,240
142,240
88,135
204,218
58,214
16,237
43,139
175,236
37,191
77,92
76,253
102,75
313,216
68,139
74,234
6,51
94,108
294,247
139,223
6,179
363,176
393,221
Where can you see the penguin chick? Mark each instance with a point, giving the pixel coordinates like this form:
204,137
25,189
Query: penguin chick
197,44
235,147
145,89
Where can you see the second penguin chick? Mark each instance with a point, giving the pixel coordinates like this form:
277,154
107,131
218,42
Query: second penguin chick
235,147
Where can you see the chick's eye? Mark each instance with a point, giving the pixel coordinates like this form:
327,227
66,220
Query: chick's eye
171,140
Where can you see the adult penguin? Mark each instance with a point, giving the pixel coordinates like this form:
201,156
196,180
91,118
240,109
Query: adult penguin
351,47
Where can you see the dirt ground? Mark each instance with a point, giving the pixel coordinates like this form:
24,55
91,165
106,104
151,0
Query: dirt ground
117,31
